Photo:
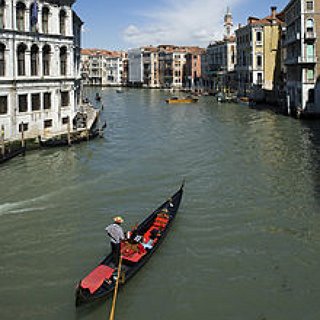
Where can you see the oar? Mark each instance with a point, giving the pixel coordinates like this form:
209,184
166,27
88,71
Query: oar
114,300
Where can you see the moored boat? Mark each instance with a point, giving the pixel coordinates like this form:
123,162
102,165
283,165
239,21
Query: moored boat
64,141
246,101
182,100
12,154
101,282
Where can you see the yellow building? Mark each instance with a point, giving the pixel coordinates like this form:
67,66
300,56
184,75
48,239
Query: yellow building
259,55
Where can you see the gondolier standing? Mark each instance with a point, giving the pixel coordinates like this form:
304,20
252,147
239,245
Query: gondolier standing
116,234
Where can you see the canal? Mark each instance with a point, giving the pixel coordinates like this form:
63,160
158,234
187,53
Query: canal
245,244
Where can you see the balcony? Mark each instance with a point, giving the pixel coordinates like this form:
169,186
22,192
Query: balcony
291,39
308,59
310,35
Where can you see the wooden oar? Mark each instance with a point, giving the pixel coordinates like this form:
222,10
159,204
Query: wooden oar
114,300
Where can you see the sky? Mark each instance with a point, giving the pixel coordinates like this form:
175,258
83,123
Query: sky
124,24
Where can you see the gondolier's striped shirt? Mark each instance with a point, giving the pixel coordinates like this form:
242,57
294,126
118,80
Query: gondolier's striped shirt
115,232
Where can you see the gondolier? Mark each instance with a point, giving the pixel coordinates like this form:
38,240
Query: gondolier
116,234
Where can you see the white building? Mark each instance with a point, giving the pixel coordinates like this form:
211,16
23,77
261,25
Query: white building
102,67
135,65
39,67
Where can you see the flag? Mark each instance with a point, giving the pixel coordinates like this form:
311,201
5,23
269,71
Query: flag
34,13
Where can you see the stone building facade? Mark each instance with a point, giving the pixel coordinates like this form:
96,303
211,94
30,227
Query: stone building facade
39,67
301,50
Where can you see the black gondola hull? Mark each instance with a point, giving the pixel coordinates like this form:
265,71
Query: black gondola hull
12,154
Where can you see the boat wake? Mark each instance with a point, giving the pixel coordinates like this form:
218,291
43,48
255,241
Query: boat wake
21,207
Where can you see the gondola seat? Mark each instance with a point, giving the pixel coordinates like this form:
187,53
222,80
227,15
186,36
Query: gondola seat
96,278
133,254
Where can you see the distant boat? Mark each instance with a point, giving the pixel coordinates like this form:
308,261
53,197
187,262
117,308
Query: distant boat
220,97
246,101
182,100
119,91
98,97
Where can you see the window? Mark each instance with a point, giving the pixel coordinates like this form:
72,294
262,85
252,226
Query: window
310,53
2,60
20,16
310,74
65,99
63,61
35,101
47,123
65,120
62,17
3,105
2,7
24,126
21,52
309,5
259,78
34,60
310,25
23,103
47,100
311,95
45,20
259,36
46,52
259,61
33,13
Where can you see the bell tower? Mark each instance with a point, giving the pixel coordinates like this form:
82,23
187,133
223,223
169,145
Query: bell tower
228,23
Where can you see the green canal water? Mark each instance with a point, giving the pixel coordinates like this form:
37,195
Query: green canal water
245,244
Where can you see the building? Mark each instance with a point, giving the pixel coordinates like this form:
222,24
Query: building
259,55
39,67
150,67
301,49
193,69
103,67
219,59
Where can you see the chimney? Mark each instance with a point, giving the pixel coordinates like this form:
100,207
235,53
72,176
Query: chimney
274,13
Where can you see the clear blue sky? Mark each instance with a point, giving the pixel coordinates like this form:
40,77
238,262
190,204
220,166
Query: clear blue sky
123,24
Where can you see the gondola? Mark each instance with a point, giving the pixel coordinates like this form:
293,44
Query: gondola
100,283
53,143
12,154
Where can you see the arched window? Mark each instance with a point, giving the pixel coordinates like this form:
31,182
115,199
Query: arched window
2,7
62,18
20,16
46,57
2,60
310,25
33,14
34,60
21,54
63,61
45,19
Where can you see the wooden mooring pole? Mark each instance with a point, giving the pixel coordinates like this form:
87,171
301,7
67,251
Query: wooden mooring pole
22,135
69,134
3,147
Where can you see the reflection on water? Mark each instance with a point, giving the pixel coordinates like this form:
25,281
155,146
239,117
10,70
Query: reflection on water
245,243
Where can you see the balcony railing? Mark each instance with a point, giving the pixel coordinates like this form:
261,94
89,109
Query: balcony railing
308,59
291,39
310,35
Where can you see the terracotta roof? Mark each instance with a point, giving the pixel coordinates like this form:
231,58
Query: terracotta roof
102,52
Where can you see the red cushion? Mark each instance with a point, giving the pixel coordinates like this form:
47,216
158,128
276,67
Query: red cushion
135,257
95,279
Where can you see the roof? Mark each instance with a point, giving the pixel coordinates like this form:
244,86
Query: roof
102,52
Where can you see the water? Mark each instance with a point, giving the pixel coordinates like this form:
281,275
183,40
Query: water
245,245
